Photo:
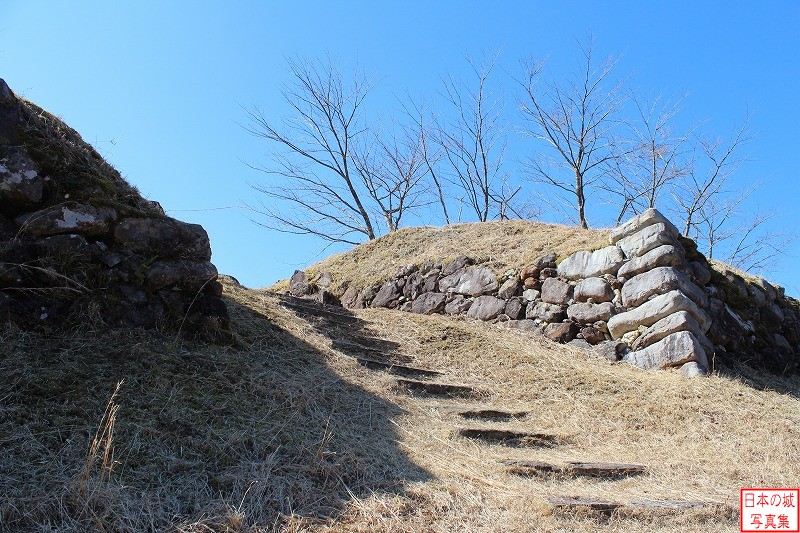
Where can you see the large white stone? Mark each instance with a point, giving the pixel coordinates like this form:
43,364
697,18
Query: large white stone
591,264
486,307
680,321
661,280
666,255
673,350
654,310
595,289
472,281
586,313
646,239
648,218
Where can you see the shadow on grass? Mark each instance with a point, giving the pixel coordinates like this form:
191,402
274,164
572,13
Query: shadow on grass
761,379
346,330
205,434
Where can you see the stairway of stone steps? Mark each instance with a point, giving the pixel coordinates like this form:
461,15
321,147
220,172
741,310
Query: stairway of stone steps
339,325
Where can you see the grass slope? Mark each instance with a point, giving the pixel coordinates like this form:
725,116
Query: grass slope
283,431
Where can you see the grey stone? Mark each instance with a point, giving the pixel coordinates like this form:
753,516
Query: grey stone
758,296
561,332
324,280
486,307
548,273
701,274
456,265
772,313
745,326
768,289
591,264
680,321
692,369
580,343
589,313
647,218
661,280
299,285
646,239
163,236
389,293
366,296
613,350
429,303
405,270
532,283
555,291
184,274
350,298
595,289
654,310
782,343
66,245
75,218
21,184
529,326
509,288
545,312
530,295
592,335
458,305
472,281
666,255
673,350
515,308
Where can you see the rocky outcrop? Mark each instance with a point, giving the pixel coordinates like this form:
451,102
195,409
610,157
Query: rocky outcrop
649,299
78,244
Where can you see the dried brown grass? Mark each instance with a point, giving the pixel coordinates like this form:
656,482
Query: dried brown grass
502,244
281,431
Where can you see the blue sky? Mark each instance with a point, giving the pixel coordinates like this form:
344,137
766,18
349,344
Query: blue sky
158,87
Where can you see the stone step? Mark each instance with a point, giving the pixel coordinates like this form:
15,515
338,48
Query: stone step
367,344
320,310
570,503
394,368
669,504
509,438
436,389
574,469
494,415
604,470
532,468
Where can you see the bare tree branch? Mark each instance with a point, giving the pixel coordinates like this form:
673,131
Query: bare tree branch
575,119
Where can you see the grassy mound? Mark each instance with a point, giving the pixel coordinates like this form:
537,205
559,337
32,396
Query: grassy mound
502,245
282,430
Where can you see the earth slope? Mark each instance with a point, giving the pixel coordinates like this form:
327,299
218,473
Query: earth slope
285,429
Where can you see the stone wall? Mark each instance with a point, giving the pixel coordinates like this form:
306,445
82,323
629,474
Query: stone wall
649,299
78,243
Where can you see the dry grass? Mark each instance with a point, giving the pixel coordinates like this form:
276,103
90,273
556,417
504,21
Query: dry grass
505,244
281,431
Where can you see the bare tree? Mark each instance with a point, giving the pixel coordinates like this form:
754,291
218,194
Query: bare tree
473,144
575,118
744,240
318,188
708,174
430,151
391,171
650,160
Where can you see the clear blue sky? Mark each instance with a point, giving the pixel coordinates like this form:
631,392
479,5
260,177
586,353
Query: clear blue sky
157,87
